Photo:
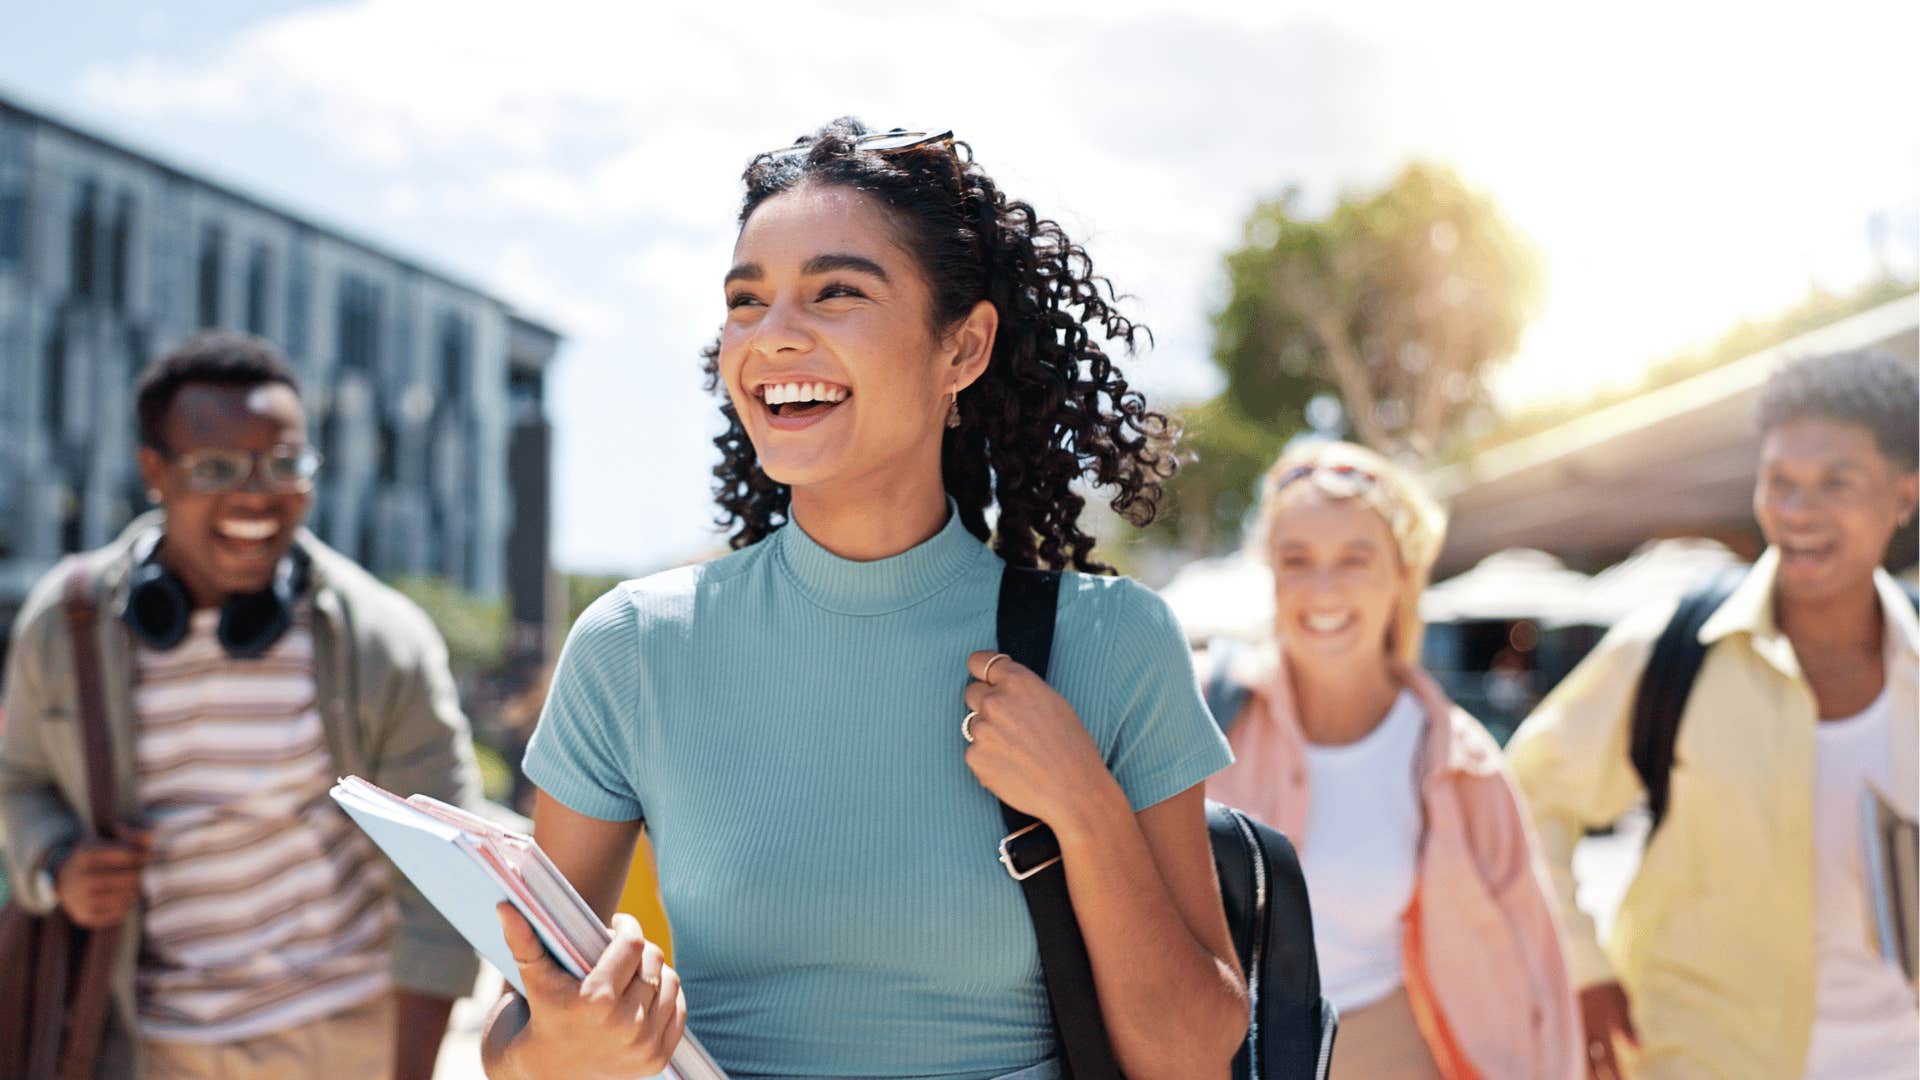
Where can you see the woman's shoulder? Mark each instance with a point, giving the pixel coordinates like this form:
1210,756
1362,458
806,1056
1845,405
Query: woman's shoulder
659,605
1131,624
1113,596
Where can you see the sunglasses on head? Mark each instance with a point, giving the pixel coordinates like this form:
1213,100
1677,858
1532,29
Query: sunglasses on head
1337,479
897,141
283,470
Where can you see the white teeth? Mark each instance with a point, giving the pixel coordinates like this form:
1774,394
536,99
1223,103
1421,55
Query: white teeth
1327,624
247,530
788,393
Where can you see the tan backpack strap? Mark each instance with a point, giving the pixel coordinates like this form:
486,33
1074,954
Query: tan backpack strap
92,992
96,745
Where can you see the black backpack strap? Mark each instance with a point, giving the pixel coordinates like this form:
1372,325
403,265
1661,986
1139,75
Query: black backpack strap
1031,853
1290,1033
1666,683
1224,695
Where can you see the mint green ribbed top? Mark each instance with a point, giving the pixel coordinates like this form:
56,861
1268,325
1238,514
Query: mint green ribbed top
788,724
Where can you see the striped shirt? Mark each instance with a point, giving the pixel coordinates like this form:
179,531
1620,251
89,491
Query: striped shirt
264,908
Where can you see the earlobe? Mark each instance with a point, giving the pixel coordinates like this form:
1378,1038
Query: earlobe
152,468
974,340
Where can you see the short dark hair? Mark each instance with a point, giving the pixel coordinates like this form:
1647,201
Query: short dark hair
1875,390
214,357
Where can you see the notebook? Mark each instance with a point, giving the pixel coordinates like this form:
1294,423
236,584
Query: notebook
1893,880
464,865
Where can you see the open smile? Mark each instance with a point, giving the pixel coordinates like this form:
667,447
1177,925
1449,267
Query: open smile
794,403
1327,622
246,538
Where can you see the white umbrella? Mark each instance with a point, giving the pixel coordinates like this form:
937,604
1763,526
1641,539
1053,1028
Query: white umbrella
1519,583
1227,597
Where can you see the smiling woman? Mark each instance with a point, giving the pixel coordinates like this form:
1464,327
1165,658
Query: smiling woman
814,728
1050,408
1431,925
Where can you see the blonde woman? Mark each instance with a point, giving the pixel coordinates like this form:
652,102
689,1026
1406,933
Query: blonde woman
1435,938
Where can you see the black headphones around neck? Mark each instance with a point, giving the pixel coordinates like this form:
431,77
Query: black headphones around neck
160,611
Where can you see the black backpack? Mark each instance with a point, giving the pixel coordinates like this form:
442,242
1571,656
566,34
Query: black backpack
1667,681
1290,1027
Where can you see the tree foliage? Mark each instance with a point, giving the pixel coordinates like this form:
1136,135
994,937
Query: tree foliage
1398,303
475,628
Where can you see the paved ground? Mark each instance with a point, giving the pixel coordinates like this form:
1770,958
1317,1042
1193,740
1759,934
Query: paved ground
1604,866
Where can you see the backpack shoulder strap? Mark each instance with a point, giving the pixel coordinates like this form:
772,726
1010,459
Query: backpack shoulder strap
1031,853
1661,697
1271,921
96,745
1224,695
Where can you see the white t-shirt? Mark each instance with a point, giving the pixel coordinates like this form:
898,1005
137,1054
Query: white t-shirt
1865,1023
1363,829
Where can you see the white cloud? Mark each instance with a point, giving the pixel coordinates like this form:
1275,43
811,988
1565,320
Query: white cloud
1679,165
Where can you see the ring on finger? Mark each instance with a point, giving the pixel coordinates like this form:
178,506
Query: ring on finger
987,672
966,725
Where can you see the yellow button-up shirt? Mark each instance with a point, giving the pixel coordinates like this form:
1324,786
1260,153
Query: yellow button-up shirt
1714,939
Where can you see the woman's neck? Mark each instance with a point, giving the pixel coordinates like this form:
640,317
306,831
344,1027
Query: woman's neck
1339,704
864,522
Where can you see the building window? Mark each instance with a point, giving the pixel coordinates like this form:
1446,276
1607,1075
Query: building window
258,274
213,241
296,335
456,349
359,324
13,197
83,231
389,451
526,395
54,405
119,247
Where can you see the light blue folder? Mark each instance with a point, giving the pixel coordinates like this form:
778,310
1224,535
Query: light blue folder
443,864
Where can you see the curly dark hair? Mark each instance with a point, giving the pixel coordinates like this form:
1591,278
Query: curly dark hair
1875,390
1051,407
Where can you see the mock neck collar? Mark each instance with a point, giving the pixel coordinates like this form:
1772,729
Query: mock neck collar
882,585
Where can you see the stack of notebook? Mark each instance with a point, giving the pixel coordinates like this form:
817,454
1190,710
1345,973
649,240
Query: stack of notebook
465,865
1893,881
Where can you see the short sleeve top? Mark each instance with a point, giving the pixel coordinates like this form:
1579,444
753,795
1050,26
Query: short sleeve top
787,722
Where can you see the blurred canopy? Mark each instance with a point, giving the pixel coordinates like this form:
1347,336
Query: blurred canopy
1397,302
475,629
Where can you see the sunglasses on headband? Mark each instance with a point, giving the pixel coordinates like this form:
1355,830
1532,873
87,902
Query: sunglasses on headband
1335,479
897,141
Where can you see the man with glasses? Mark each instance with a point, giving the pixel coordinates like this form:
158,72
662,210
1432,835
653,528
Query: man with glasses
243,666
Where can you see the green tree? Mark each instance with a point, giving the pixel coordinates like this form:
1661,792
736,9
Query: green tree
1397,303
475,629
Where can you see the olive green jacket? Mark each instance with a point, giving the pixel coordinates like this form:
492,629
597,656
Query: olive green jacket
387,704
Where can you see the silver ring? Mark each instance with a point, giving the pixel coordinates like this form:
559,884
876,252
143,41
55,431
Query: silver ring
966,725
988,670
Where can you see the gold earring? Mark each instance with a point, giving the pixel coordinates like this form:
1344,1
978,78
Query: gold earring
953,411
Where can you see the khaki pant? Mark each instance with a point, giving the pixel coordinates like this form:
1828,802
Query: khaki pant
353,1045
1382,1042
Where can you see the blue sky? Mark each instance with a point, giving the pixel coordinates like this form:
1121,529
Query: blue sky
1679,166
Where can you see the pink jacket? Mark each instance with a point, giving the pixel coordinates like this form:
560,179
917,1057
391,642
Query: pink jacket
1482,955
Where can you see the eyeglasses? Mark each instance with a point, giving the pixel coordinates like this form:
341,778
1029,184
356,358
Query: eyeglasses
1342,480
896,141
283,470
